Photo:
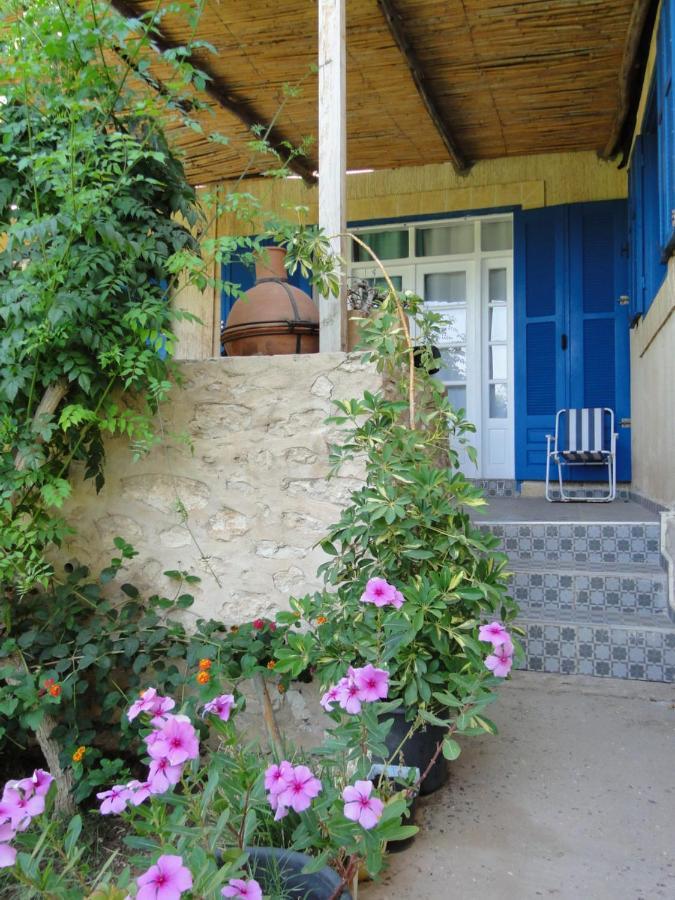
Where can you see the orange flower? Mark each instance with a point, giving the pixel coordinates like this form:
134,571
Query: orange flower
234,629
78,755
281,689
204,664
321,620
203,678
55,690
271,664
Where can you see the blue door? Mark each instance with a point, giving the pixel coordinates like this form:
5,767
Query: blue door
571,340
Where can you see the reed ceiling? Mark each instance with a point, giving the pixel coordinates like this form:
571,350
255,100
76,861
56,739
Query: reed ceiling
506,78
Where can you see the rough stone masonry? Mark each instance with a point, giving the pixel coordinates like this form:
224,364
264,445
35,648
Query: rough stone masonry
245,454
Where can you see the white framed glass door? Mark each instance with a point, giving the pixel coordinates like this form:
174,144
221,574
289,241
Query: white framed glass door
463,269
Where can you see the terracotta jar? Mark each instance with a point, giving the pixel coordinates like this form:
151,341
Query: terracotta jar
274,317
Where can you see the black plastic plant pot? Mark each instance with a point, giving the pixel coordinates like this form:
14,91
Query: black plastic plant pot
279,872
399,778
419,750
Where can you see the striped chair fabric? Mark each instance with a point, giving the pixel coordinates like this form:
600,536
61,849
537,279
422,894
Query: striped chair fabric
585,436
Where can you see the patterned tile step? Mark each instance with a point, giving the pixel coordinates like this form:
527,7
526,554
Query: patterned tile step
632,591
632,647
497,487
598,543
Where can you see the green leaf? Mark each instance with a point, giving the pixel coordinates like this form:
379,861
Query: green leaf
72,834
451,749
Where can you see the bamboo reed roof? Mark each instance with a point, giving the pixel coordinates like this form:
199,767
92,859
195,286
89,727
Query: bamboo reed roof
507,78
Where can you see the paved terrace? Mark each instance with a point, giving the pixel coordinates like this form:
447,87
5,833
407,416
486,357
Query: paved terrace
574,799
538,509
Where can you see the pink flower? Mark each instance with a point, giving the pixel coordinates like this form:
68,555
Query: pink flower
220,706
151,702
379,592
38,783
372,683
329,698
176,740
348,694
247,890
302,787
398,599
494,633
168,879
115,800
18,806
277,777
360,806
280,811
258,624
501,660
7,853
140,791
163,775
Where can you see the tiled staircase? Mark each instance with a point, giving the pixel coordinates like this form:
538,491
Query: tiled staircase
593,594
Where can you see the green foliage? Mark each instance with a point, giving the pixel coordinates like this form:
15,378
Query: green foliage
410,524
99,645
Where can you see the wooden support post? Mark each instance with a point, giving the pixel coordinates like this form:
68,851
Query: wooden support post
333,160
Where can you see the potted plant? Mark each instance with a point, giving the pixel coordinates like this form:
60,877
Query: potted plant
409,579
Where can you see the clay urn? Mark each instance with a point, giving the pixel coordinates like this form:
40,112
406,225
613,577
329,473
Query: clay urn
274,317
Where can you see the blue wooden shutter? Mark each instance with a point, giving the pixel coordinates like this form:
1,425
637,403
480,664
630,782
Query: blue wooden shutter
540,378
599,357
666,123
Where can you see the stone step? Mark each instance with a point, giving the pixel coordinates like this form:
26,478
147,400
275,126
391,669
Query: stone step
580,544
617,588
603,643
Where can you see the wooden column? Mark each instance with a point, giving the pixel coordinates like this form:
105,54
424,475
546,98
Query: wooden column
333,160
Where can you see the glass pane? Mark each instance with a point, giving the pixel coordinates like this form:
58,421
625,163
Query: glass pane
396,280
444,240
498,402
457,396
453,329
498,323
498,363
445,287
453,364
496,235
497,285
385,244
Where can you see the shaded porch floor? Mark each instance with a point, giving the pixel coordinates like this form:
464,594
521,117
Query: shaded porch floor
538,509
573,800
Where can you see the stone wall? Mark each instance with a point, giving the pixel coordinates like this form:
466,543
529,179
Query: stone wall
251,477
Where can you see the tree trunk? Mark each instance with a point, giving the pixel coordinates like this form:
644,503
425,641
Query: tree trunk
64,804
48,405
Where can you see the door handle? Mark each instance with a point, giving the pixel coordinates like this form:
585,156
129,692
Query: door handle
563,342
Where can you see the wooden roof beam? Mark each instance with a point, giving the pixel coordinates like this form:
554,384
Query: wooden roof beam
631,76
396,27
240,108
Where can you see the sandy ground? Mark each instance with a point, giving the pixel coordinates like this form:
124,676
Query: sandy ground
574,799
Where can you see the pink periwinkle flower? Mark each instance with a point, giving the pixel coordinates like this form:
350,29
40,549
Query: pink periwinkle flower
246,890
301,788
7,853
494,634
18,806
360,806
115,800
500,660
151,702
348,694
38,783
168,879
280,811
176,739
379,592
277,777
163,775
220,706
258,624
398,599
329,698
140,791
372,683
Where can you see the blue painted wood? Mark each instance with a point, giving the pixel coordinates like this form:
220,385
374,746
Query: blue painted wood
666,120
244,277
571,334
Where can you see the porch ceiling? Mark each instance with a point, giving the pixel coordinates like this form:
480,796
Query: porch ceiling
504,78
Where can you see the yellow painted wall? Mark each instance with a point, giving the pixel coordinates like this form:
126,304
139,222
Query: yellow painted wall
527,181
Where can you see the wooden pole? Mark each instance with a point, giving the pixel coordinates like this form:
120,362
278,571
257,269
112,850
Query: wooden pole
333,160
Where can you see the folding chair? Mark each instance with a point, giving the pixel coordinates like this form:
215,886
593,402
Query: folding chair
582,439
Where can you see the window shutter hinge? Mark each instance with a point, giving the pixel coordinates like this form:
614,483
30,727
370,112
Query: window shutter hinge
624,300
672,218
625,422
